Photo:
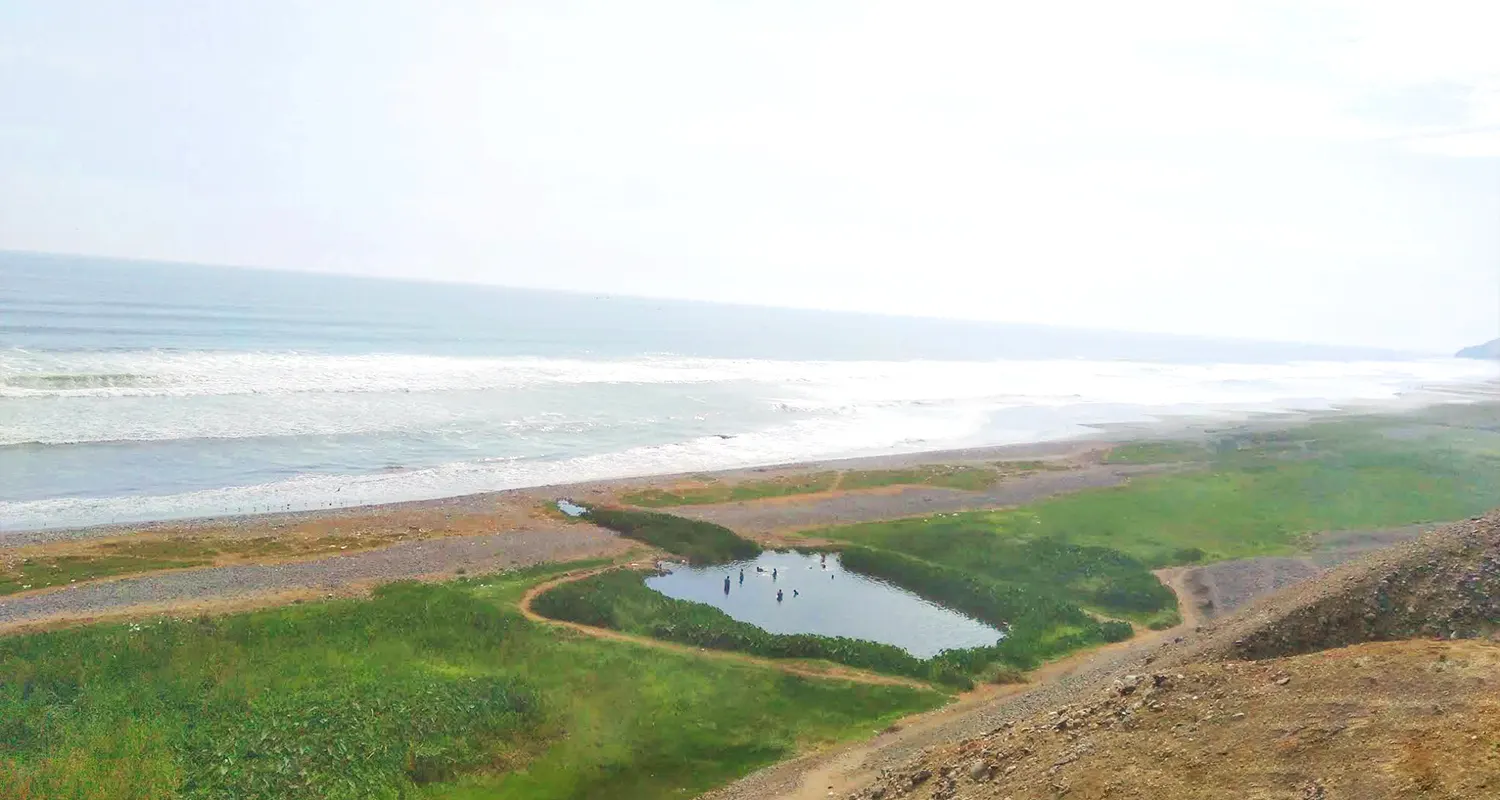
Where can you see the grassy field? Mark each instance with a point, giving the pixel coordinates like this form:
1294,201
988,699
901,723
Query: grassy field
712,491
698,542
620,600
1244,493
424,691
708,491
1041,621
953,477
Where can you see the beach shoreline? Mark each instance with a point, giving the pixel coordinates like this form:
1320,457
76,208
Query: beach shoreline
516,507
511,500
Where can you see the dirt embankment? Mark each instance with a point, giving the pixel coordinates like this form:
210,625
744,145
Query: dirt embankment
1349,686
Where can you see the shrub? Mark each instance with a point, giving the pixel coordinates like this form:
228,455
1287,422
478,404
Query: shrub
1115,630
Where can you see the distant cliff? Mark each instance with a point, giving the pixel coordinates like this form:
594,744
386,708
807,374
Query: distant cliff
1490,349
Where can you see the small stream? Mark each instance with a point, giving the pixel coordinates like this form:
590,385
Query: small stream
822,598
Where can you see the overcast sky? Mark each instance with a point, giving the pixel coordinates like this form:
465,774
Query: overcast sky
1317,171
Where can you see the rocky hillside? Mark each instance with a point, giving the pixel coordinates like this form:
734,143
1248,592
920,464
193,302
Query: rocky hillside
1378,720
1444,585
1380,680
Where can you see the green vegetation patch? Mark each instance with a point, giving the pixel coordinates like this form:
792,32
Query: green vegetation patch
621,600
431,691
961,477
1163,452
1040,622
697,541
711,491
125,557
1255,492
1098,578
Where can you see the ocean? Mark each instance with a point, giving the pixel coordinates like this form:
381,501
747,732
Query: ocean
136,391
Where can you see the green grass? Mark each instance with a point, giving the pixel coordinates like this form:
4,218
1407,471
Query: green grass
104,559
431,691
967,478
712,491
1041,622
1254,492
709,491
1163,452
697,541
46,572
621,600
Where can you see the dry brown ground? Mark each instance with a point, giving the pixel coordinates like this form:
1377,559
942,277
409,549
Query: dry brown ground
1418,719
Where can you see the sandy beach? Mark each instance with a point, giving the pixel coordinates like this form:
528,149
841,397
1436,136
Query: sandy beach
275,558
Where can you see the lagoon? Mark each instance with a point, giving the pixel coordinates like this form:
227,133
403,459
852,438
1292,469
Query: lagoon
824,599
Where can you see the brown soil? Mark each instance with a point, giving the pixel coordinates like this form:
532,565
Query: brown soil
1376,720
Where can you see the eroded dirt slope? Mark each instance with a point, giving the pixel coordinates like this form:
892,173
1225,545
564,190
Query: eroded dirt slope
1414,719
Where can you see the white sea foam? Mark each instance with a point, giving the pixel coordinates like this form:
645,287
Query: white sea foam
182,374
870,433
570,412
886,418
157,396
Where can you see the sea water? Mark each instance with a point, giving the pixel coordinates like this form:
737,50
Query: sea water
819,596
136,391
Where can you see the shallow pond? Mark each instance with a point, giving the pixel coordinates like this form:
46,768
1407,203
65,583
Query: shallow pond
824,599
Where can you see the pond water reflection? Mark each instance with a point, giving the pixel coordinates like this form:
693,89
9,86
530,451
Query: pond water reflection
820,597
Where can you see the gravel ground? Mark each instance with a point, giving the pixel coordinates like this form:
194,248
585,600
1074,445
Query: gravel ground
768,516
402,561
1223,587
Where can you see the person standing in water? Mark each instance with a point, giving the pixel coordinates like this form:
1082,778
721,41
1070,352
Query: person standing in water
726,584
778,595
742,576
773,573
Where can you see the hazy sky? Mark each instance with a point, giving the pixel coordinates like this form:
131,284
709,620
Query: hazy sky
1321,171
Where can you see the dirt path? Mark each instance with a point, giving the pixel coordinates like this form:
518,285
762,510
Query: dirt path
801,668
1178,580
